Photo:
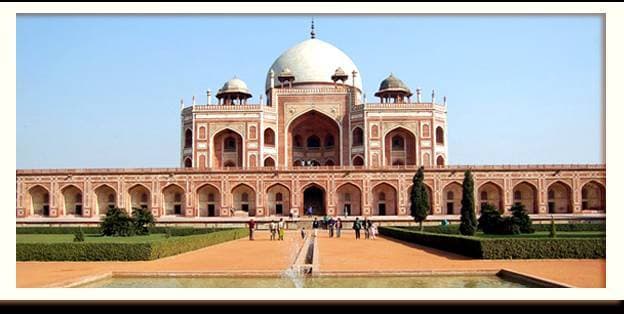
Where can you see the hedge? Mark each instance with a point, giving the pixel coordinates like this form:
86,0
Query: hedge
175,231
454,229
84,251
521,248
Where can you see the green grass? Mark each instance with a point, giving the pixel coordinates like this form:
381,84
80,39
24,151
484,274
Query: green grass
544,234
89,238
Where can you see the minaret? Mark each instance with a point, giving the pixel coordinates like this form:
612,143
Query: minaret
433,96
418,90
209,94
181,104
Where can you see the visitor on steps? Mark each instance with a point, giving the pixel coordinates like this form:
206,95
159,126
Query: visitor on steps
252,226
273,229
280,228
310,211
315,226
357,226
346,211
338,227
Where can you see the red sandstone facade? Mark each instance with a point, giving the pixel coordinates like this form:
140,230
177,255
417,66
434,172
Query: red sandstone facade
317,143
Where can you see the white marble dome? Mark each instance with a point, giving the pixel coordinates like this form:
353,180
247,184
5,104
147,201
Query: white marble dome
235,85
313,61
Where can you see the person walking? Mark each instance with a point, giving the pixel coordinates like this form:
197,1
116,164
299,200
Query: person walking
338,227
331,224
325,220
280,229
365,226
273,229
303,233
357,226
373,231
315,226
252,226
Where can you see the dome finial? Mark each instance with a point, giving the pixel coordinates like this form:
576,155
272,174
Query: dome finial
312,33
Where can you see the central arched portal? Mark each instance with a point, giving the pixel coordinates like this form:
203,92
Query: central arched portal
314,196
314,139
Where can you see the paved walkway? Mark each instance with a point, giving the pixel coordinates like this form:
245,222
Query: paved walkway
335,255
385,254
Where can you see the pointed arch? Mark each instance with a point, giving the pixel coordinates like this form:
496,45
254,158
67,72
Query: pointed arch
105,198
278,199
228,148
525,193
452,196
385,200
348,199
244,199
400,146
490,192
72,200
38,201
593,196
174,199
139,196
559,194
208,200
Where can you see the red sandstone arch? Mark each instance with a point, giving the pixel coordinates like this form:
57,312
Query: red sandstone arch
358,136
309,128
490,193
269,162
278,200
385,200
358,161
105,198
559,196
440,161
139,196
348,197
227,149
525,193
439,135
400,147
174,200
188,138
72,200
244,199
38,201
188,162
269,137
593,196
208,200
314,195
452,195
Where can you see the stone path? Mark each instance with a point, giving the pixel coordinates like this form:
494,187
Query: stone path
335,255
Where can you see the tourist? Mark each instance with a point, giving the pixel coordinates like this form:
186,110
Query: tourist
338,227
365,225
330,226
357,226
280,229
252,226
310,211
369,226
273,229
346,211
325,219
373,231
315,226
303,233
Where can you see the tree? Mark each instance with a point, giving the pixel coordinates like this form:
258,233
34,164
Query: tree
79,235
490,220
117,223
468,224
419,208
141,220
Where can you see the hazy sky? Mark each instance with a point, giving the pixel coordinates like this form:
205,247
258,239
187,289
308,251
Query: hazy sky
104,91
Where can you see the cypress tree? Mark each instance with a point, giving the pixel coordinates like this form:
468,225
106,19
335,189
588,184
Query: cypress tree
419,198
468,217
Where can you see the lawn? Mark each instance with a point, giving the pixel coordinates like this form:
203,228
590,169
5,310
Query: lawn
89,238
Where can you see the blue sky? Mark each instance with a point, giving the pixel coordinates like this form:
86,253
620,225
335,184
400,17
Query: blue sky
104,90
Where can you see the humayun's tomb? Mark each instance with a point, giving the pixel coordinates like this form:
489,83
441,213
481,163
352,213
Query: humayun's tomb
312,140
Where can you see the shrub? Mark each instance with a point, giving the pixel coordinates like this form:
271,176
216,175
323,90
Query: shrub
518,248
521,219
116,223
490,220
79,236
167,233
106,251
141,220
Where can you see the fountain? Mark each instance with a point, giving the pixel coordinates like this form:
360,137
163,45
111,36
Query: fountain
301,257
